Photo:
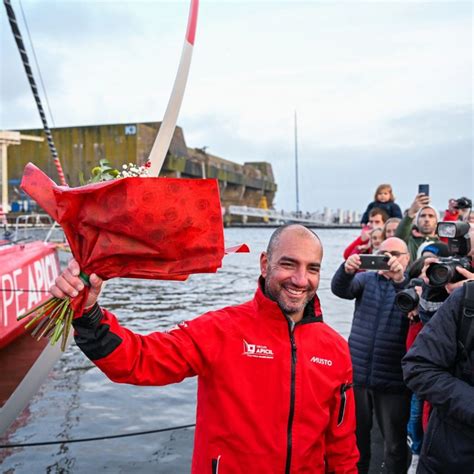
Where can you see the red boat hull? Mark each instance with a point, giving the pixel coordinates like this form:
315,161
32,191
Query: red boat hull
26,273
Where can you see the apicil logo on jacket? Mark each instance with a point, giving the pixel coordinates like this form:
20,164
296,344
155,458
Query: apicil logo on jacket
255,350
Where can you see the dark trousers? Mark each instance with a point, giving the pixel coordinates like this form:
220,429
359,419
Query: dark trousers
392,411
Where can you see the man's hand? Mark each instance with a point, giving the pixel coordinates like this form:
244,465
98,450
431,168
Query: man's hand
69,284
421,200
413,315
450,287
428,261
396,270
352,264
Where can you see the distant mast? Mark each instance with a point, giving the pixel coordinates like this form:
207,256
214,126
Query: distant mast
296,168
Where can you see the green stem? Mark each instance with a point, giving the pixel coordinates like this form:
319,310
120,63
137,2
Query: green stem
42,313
39,327
43,305
68,325
51,318
59,325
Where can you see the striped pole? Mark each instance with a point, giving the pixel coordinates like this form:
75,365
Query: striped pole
168,125
29,73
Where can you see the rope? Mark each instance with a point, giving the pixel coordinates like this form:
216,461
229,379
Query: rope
97,438
29,73
24,290
36,62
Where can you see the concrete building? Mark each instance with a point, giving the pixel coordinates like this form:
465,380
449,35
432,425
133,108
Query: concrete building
80,149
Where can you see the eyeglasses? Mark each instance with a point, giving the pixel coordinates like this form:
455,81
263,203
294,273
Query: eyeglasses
393,253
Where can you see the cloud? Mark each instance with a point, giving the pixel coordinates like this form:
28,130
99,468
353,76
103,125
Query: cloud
433,146
383,90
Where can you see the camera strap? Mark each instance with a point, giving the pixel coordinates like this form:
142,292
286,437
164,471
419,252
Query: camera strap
466,329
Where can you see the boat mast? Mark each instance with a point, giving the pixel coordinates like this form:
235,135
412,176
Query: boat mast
296,168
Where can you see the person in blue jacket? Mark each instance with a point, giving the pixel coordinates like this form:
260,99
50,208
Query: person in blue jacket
377,345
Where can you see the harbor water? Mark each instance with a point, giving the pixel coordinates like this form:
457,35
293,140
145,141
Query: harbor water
77,401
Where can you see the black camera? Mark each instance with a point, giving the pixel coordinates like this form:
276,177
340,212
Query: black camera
459,245
407,300
463,203
444,271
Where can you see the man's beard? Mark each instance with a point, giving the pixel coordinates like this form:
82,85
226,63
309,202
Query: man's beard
288,310
427,230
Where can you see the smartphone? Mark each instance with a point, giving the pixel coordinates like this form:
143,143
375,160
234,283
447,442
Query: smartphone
424,188
374,262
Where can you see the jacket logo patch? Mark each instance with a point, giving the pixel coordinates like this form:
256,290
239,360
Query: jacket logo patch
254,350
318,360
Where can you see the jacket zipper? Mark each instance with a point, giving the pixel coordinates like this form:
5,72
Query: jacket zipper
342,408
215,465
291,326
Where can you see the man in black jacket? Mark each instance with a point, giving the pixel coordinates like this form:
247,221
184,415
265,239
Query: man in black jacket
439,367
436,371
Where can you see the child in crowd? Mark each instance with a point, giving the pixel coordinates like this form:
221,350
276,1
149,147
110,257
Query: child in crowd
390,227
383,199
370,245
377,219
376,238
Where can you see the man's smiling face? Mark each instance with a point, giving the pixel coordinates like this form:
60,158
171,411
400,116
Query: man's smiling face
292,270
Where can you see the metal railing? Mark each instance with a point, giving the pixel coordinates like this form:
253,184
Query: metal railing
278,216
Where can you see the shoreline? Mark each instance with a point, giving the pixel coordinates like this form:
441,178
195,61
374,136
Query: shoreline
259,225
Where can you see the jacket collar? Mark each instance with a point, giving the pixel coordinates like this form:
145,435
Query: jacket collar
312,311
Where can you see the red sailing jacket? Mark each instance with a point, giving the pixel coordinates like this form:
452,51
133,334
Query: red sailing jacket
271,399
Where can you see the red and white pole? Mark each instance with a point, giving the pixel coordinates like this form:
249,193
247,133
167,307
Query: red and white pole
168,125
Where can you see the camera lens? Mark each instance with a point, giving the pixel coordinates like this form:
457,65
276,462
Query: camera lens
440,274
407,300
463,203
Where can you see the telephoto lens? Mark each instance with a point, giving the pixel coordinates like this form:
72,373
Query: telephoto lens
407,300
444,272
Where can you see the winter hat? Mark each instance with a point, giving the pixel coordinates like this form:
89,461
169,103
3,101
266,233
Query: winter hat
415,221
439,249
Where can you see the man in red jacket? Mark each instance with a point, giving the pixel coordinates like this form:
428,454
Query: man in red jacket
274,381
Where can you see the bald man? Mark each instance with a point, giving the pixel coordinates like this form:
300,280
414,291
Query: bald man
377,345
274,381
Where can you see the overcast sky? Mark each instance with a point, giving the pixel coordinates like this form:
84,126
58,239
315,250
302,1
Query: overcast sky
382,90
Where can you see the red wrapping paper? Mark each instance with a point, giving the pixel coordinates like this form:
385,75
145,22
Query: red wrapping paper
154,228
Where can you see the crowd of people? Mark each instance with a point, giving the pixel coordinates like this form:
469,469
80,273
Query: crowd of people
386,380
280,391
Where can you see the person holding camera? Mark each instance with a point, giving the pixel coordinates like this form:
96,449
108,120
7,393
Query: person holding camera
424,217
408,301
439,367
458,209
442,270
377,345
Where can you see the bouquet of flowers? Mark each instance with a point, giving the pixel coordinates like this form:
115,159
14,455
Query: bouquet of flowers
155,228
